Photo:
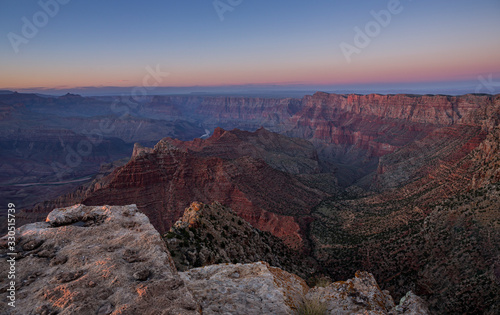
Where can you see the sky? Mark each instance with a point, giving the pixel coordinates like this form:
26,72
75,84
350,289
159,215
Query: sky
333,45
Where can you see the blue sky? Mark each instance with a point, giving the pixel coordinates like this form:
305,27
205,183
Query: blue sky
110,43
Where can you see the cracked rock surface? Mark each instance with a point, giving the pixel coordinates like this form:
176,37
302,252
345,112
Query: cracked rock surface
94,260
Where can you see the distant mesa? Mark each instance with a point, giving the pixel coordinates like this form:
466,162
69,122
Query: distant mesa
70,96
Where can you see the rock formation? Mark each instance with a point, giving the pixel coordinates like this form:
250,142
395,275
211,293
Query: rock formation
48,143
163,181
290,155
362,295
257,288
247,289
355,130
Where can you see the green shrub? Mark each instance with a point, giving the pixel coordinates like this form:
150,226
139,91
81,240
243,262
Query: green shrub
169,235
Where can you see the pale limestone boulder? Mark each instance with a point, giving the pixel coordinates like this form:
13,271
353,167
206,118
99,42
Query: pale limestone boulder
94,260
411,304
247,289
358,295
362,295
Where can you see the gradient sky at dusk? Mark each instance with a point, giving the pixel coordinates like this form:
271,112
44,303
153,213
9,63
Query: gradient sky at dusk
283,42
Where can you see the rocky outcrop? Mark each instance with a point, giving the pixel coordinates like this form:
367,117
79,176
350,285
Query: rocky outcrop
260,289
139,149
362,295
213,234
163,181
94,260
246,289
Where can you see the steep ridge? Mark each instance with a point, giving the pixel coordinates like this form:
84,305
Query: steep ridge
407,152
453,158
214,234
351,131
163,181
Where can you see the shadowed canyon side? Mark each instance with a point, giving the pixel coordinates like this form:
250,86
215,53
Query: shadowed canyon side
248,113
350,132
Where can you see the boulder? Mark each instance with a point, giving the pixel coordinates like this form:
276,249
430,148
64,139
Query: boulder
245,289
362,295
258,288
94,260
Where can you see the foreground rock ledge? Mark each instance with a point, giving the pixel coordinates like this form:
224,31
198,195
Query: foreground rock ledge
110,260
257,288
95,260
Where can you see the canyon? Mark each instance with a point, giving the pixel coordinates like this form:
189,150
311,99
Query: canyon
403,186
